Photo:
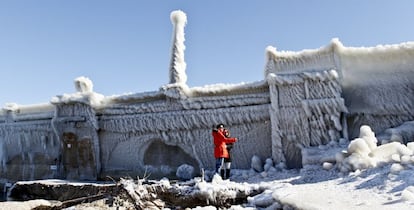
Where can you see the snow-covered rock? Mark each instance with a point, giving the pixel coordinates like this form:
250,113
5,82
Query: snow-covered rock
185,172
408,194
257,163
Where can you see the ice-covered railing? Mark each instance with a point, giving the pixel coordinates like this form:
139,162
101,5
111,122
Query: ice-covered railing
134,97
193,93
258,94
222,89
27,109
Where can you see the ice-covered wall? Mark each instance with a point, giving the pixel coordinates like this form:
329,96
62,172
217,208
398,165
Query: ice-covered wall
377,82
84,135
29,148
379,85
306,111
140,136
53,140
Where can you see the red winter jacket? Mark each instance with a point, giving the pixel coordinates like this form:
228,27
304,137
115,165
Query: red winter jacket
220,150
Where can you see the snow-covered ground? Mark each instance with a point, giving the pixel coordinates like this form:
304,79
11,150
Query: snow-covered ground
315,188
359,175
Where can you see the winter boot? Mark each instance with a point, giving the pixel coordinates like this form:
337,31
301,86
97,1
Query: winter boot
227,174
222,173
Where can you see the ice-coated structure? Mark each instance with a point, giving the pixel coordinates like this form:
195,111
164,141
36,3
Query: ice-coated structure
306,98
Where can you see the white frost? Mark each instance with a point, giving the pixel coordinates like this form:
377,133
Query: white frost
185,172
178,65
84,94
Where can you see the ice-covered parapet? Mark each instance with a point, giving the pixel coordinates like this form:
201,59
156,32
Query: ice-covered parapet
240,88
15,112
177,63
316,59
84,94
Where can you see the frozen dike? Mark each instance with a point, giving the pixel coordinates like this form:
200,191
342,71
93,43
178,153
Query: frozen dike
310,98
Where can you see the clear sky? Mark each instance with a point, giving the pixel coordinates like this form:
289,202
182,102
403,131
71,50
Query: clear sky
123,46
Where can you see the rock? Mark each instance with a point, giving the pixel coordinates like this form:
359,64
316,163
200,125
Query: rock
257,164
56,190
327,166
185,172
408,194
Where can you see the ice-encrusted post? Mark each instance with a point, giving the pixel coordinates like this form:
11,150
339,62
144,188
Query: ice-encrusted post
177,63
76,125
277,148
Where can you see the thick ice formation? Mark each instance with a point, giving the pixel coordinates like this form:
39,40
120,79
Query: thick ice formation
84,94
376,81
177,63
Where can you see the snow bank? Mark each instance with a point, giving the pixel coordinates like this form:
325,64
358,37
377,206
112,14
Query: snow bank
363,153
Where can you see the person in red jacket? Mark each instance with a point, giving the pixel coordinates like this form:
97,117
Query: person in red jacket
227,161
220,148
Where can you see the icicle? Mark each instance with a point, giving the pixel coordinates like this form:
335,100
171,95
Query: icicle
336,121
3,156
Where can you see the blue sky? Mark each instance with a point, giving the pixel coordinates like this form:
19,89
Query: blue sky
124,46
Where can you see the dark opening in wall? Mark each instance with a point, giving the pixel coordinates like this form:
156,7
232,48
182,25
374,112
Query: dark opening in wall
163,160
